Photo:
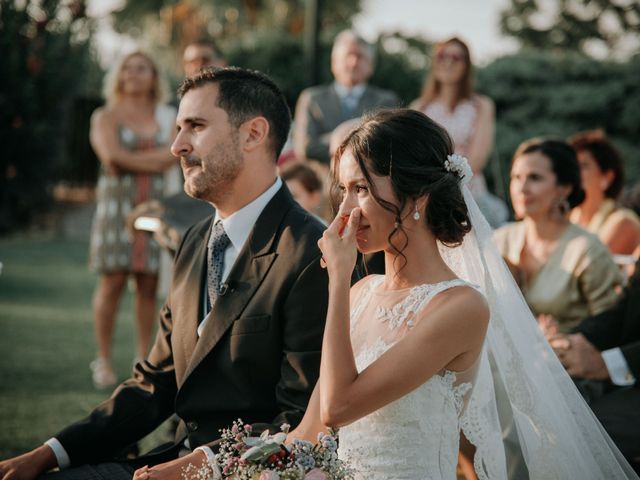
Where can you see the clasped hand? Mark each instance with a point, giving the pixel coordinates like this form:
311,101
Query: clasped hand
580,358
338,244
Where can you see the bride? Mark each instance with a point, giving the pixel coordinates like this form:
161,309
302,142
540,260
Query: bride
433,347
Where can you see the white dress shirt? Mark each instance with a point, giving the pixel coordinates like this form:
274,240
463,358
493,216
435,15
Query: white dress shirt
350,96
618,367
238,227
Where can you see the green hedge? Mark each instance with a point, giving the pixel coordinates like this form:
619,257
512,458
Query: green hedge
543,94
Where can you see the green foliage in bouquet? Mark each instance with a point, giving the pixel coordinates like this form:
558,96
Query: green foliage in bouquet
267,457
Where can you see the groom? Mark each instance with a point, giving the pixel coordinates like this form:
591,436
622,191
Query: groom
241,331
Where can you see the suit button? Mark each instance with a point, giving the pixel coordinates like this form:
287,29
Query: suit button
192,426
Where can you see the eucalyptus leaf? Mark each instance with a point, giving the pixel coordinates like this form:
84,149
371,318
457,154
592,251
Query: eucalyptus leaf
253,441
261,452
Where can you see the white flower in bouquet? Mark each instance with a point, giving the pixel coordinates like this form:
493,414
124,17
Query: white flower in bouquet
242,456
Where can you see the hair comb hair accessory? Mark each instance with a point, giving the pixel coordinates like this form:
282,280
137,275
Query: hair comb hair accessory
460,166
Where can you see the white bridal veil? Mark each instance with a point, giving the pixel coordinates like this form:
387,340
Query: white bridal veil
521,386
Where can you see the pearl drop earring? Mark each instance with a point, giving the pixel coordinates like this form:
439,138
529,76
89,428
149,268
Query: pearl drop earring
416,214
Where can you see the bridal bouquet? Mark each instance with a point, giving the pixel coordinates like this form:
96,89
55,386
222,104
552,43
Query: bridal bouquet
245,457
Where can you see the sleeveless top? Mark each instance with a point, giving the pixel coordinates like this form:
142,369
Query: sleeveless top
579,278
461,124
416,436
113,248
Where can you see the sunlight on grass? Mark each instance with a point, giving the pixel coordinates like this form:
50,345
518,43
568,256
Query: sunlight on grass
47,342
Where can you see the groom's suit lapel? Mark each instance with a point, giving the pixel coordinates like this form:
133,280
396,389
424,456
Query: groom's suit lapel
191,297
248,272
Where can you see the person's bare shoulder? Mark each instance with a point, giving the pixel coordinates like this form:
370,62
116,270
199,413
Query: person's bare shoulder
106,115
357,287
462,308
471,302
485,104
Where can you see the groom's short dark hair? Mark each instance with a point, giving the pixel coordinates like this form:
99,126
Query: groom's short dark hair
245,94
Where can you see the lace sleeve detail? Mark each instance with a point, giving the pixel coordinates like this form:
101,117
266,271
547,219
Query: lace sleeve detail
363,299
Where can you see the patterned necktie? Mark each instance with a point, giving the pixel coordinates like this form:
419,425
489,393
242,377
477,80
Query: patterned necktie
218,243
349,104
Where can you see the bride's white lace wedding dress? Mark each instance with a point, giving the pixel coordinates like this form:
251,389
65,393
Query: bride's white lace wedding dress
417,436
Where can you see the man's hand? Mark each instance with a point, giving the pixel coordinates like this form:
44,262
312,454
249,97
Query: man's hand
580,357
29,465
175,469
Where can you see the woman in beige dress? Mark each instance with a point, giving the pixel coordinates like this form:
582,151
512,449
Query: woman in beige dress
565,273
131,136
602,174
469,118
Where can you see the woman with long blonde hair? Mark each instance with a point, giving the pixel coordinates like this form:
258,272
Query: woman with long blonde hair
131,136
448,97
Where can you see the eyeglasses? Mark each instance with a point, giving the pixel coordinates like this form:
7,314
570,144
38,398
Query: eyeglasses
451,57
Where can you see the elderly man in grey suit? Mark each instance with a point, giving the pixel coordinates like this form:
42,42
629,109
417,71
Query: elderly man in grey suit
321,109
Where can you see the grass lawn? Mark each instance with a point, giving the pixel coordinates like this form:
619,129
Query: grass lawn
47,342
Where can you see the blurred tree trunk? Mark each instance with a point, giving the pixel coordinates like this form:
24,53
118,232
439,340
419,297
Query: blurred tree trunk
311,41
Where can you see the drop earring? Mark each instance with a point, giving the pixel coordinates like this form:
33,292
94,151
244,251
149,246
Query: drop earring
416,214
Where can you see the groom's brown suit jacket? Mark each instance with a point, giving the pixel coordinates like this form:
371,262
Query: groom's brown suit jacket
257,358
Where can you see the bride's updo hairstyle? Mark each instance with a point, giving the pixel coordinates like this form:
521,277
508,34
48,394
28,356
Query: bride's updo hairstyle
409,148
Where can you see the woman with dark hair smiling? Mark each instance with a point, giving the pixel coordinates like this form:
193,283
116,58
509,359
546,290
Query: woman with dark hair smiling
564,272
602,174
131,137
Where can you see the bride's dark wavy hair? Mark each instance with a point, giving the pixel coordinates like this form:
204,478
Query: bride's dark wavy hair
409,148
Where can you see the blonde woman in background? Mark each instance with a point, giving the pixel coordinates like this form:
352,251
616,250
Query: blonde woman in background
602,173
131,136
449,98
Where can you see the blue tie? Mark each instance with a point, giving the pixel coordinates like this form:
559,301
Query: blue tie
218,243
349,104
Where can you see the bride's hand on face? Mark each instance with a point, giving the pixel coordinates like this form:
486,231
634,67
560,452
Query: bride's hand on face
338,244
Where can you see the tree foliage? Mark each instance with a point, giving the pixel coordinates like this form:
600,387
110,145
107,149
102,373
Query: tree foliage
233,17
44,46
600,27
168,25
542,94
